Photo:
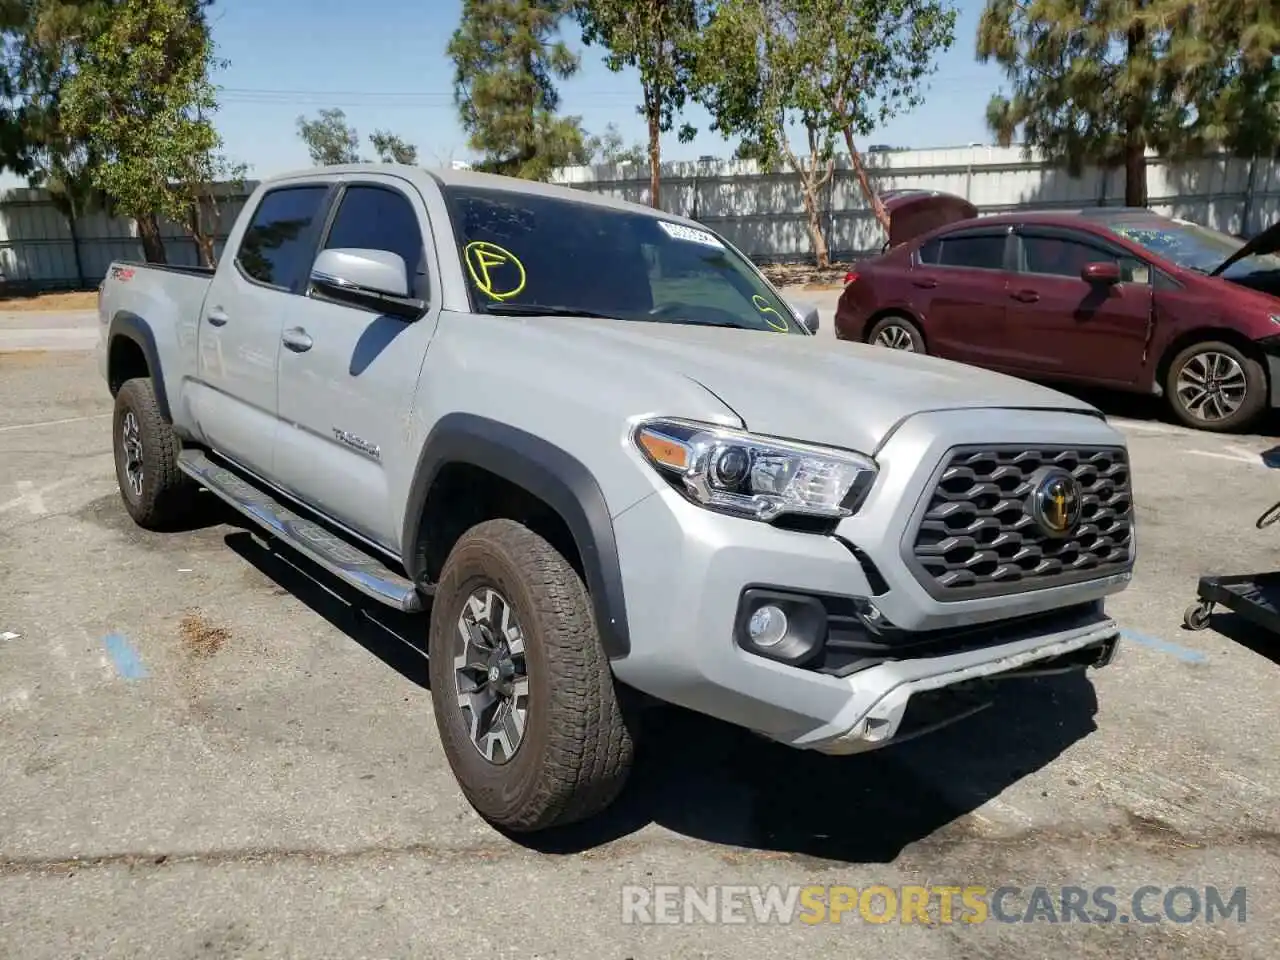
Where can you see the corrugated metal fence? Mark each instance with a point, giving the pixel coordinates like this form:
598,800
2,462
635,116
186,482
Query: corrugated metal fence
763,214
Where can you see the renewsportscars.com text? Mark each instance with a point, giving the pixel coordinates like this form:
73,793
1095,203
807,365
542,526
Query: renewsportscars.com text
818,904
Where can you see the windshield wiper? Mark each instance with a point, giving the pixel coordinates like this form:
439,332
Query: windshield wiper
539,310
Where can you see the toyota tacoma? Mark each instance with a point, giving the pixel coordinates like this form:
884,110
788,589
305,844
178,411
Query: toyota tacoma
614,464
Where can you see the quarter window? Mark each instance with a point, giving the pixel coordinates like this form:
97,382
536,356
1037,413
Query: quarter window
379,218
275,243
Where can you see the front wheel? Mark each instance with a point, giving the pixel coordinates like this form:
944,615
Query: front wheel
1216,386
522,692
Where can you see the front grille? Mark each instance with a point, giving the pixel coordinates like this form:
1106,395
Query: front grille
978,538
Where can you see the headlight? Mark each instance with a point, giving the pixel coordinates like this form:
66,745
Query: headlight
758,477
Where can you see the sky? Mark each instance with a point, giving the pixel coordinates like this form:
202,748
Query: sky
384,63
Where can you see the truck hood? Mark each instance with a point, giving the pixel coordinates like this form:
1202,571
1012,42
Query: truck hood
844,394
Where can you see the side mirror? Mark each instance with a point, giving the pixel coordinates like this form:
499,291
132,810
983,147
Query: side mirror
377,279
1102,272
806,313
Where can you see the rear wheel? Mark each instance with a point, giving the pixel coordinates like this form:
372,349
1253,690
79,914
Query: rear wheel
897,333
155,492
1215,386
522,692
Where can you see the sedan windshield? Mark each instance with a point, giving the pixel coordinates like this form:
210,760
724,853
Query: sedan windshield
530,255
1192,246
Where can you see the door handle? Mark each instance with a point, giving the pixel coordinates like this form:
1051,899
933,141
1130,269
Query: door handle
1026,296
928,283
218,317
297,340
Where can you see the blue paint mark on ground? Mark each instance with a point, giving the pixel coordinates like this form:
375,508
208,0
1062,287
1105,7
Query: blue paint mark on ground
1164,646
126,660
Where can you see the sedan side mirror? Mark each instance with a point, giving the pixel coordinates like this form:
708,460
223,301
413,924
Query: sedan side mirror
377,279
806,313
1107,272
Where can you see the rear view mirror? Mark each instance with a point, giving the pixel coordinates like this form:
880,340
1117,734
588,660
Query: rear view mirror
1101,272
806,313
377,279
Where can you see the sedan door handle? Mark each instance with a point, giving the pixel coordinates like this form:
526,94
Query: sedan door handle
1026,296
297,340
218,317
928,283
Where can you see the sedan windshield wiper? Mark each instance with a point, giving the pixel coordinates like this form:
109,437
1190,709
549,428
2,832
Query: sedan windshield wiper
539,310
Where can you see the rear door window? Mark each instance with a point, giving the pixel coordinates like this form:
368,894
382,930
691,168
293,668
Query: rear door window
976,252
381,218
277,244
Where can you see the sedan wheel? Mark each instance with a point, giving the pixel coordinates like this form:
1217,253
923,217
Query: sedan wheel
895,338
897,333
1216,386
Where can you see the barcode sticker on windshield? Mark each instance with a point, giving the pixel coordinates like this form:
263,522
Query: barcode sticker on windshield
678,231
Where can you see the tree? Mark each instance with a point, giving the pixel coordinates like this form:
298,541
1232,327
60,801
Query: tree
875,66
330,140
1102,81
507,56
392,149
610,148
834,68
141,99
44,40
659,39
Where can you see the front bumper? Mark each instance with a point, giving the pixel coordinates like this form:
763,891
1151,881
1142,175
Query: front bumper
685,570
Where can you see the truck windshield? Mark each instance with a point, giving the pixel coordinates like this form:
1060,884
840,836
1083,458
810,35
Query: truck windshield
1193,246
527,254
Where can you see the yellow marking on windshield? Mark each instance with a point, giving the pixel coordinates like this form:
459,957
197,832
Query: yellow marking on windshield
496,271
762,305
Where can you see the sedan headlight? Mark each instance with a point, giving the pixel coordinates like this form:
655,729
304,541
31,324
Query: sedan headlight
751,476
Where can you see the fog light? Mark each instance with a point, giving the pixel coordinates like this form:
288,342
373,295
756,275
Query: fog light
767,626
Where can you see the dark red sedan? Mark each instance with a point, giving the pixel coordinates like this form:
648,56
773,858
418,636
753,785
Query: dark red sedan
1114,297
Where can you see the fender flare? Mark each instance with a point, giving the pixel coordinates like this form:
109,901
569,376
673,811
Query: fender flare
133,327
547,472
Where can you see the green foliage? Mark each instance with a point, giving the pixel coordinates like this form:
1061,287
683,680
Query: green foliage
834,68
140,99
393,149
329,138
44,39
507,56
1100,81
610,147
659,39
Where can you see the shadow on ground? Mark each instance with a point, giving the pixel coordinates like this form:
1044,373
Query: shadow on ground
715,782
1249,635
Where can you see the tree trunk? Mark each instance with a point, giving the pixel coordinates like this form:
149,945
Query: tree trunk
655,156
1135,141
1135,173
203,237
816,237
149,234
868,192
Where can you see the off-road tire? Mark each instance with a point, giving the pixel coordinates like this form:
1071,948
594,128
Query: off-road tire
167,494
577,747
902,323
1255,391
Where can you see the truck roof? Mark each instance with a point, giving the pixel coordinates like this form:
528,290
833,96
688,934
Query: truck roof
487,181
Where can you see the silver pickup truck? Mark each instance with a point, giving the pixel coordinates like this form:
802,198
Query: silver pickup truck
611,461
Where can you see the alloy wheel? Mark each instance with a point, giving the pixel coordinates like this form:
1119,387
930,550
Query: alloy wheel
1212,386
131,447
895,338
492,685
